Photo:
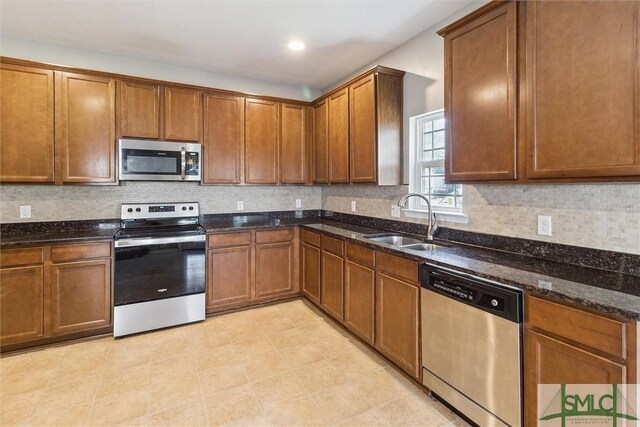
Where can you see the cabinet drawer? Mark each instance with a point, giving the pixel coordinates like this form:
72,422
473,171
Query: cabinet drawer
26,256
229,239
274,236
310,238
86,251
399,267
332,245
595,331
361,255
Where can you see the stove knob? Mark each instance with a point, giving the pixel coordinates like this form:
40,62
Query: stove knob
190,208
184,208
130,210
138,209
494,302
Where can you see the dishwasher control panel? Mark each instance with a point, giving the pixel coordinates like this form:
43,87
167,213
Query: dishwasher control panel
501,300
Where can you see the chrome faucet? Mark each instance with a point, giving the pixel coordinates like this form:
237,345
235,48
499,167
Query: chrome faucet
432,226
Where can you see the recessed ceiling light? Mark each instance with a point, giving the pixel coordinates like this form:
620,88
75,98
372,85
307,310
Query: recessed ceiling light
296,45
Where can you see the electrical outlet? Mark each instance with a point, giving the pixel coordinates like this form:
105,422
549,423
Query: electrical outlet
544,225
395,211
240,205
25,211
353,206
298,203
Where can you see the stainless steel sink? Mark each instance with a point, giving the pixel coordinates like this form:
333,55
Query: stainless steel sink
393,239
423,247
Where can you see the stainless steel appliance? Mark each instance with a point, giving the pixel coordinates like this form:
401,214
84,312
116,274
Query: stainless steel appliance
472,345
160,267
142,160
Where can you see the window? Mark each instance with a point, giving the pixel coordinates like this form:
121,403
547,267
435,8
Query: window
427,176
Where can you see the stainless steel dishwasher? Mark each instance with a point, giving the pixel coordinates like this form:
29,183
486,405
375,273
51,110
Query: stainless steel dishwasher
472,345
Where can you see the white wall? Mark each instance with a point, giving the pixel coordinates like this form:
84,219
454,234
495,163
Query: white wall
51,54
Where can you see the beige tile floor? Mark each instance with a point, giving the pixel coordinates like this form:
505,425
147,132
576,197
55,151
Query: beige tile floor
285,365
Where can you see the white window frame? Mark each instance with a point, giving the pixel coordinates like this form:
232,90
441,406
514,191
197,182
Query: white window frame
416,164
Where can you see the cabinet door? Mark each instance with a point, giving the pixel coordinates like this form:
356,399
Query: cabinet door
320,143
332,284
181,114
359,300
274,269
85,136
22,301
362,130
292,144
139,110
26,124
584,89
549,361
338,136
228,276
223,142
480,98
397,320
80,296
311,272
261,142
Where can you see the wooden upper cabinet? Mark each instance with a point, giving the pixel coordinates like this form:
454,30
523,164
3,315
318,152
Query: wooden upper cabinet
338,136
85,128
480,97
181,114
261,141
292,144
583,82
362,130
223,139
139,110
26,124
320,142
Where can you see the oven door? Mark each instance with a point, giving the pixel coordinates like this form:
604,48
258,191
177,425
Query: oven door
158,161
149,269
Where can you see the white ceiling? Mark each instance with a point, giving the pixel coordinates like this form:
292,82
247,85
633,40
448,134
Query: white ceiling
242,38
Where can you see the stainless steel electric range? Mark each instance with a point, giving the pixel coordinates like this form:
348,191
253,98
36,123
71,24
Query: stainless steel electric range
160,267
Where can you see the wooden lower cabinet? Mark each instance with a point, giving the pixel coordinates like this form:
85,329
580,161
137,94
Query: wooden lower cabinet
332,277
311,272
359,300
80,296
53,293
274,269
22,304
569,345
397,322
247,268
229,272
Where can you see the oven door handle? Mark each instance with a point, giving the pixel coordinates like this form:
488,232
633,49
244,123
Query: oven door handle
183,162
148,241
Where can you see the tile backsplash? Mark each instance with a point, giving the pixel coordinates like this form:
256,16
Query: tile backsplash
600,216
59,203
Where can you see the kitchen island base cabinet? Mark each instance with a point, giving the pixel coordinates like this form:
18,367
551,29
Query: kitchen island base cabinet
55,293
251,267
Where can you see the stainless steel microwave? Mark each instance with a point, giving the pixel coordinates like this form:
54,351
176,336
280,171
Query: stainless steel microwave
142,160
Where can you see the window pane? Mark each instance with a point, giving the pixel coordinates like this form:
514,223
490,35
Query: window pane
459,202
438,139
438,124
427,156
443,201
427,141
439,170
427,126
438,154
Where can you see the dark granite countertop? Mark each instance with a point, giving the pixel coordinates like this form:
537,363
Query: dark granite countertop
601,290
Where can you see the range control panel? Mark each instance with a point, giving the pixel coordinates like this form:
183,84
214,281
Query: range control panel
159,210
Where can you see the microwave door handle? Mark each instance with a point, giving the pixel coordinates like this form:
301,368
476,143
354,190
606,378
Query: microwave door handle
183,162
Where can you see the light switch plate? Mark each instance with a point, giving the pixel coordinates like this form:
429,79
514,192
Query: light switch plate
240,205
25,211
544,225
298,203
353,206
395,211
